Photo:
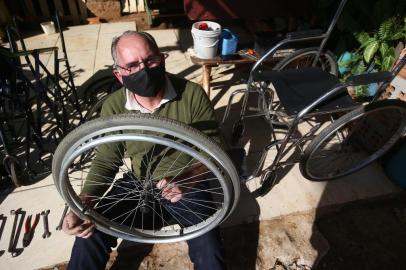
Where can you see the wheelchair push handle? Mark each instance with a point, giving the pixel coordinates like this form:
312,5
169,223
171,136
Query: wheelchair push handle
369,78
313,33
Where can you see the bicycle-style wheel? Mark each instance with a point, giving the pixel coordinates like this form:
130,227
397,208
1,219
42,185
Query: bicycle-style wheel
354,140
305,57
132,205
96,93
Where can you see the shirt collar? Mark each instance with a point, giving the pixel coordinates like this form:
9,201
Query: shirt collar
133,105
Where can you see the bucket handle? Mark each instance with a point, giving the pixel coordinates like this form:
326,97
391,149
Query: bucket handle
207,46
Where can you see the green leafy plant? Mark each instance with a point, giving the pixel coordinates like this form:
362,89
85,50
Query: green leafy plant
376,51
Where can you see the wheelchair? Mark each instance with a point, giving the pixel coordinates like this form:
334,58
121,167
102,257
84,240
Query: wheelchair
340,136
310,113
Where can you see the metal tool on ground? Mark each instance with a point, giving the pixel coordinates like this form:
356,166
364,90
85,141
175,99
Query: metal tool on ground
65,210
30,229
19,215
44,215
3,223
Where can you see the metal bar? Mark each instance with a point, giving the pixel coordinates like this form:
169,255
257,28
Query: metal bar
65,58
330,29
272,51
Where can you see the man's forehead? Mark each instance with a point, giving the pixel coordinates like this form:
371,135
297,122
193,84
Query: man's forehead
133,41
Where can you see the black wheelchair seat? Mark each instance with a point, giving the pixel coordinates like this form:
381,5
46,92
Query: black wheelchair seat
298,88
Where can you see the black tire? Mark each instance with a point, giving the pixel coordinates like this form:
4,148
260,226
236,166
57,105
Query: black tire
95,110
102,86
304,58
18,175
96,93
100,131
354,140
13,174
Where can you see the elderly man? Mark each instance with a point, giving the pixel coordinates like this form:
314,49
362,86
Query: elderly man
140,67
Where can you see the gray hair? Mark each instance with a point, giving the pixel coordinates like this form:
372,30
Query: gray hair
146,36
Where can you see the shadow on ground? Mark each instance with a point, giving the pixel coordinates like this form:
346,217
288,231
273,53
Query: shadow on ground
365,235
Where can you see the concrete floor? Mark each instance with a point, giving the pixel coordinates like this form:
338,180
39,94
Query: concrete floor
89,52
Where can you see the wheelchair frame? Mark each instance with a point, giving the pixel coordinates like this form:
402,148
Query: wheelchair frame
276,117
24,90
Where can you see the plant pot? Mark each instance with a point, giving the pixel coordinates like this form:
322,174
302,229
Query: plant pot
93,20
345,57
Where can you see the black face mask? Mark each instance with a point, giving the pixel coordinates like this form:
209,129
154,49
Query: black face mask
147,82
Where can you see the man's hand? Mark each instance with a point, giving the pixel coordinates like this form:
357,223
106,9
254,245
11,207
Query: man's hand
173,191
170,190
73,225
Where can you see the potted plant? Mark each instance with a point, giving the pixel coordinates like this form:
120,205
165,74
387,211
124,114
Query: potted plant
376,52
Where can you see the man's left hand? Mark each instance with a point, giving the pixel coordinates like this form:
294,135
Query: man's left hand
170,190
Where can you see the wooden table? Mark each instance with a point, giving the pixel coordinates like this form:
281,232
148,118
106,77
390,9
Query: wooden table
207,64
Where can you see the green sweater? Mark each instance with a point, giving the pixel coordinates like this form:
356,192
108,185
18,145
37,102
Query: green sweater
190,106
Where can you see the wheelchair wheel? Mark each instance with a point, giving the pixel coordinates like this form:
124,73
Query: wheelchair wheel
13,174
101,87
18,175
304,58
168,149
96,92
354,140
95,110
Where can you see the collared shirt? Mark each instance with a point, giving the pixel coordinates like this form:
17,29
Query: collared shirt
133,105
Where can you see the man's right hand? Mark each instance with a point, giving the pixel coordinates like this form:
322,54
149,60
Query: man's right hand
73,225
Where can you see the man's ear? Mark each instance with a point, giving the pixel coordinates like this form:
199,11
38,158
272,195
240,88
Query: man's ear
118,75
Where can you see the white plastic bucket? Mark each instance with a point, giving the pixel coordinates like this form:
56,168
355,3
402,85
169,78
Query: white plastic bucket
48,27
205,42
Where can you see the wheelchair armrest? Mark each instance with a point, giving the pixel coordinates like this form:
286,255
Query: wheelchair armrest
38,51
305,34
25,53
374,77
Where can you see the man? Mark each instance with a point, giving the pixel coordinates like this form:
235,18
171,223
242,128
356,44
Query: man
140,67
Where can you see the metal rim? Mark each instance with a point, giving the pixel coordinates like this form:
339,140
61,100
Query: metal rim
326,56
215,163
364,160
